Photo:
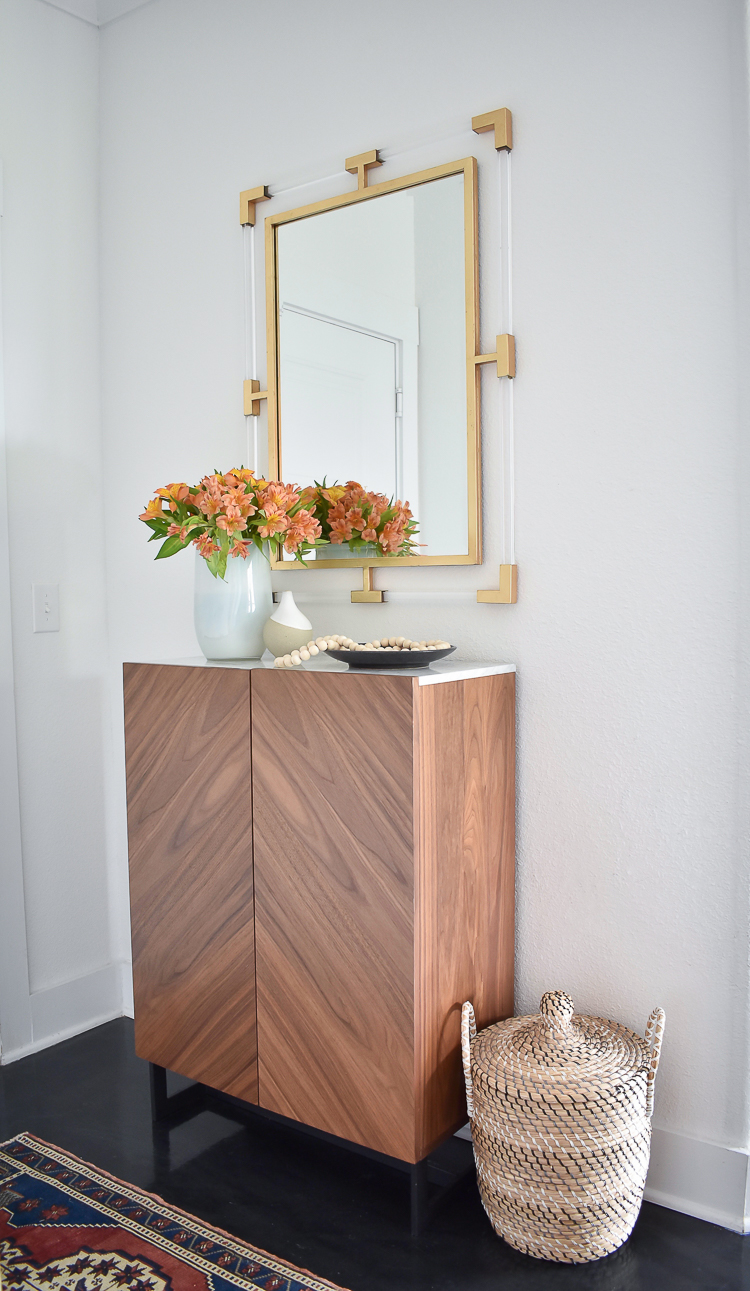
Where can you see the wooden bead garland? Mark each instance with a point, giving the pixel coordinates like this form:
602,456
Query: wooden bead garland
334,642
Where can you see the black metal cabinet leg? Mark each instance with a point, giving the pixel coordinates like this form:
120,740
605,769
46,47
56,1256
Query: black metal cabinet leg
418,1196
172,1109
159,1100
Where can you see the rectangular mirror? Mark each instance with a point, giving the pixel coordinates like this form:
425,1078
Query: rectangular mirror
372,331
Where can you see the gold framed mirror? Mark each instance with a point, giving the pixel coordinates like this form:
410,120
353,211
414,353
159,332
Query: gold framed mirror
373,330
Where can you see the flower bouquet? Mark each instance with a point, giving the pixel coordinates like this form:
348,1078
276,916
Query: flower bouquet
224,514
348,513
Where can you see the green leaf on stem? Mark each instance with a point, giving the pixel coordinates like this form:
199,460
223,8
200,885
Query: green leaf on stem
173,544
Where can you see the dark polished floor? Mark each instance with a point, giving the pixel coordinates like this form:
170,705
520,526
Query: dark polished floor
341,1215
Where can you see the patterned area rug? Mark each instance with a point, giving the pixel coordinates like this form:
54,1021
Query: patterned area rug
66,1226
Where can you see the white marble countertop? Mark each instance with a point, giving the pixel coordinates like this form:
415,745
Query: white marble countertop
443,670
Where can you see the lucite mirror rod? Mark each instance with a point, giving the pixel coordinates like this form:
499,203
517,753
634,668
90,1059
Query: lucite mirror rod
501,123
468,168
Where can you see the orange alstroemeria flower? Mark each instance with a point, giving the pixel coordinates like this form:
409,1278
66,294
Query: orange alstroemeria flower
392,536
355,518
207,504
174,493
275,522
240,473
232,524
309,525
341,531
241,500
283,496
154,510
303,528
206,545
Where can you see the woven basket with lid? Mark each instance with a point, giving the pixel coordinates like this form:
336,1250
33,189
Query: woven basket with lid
560,1108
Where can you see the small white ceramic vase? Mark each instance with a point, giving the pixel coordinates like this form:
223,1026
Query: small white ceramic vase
287,629
230,613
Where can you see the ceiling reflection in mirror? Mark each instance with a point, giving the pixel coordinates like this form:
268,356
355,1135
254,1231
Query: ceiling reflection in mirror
372,316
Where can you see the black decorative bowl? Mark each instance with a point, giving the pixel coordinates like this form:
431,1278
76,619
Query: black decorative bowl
390,658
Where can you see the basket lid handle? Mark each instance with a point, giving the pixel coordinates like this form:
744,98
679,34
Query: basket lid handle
468,1031
557,1008
654,1036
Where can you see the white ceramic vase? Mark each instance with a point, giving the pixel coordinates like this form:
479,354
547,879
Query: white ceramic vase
230,613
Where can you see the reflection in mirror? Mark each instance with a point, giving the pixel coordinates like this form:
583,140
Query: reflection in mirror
372,328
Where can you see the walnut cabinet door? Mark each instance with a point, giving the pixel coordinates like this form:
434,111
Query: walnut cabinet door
334,890
187,737
384,895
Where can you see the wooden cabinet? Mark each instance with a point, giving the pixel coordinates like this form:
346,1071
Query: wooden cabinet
321,869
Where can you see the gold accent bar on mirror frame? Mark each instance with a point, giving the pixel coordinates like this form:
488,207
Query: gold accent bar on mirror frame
506,593
248,200
252,394
368,595
501,121
360,165
504,356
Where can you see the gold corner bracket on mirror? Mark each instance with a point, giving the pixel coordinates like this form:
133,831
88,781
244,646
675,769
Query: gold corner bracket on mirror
501,121
369,595
506,593
247,202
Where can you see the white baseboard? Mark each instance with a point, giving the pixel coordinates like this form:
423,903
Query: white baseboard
700,1179
697,1178
73,1007
128,1003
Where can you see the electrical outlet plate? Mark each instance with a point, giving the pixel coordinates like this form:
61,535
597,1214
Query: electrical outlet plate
46,603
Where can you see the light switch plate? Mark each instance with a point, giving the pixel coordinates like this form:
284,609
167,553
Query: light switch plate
46,601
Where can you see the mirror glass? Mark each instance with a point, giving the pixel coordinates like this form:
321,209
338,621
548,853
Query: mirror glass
372,354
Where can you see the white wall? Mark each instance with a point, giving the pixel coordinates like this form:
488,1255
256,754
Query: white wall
63,977
630,191
629,152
